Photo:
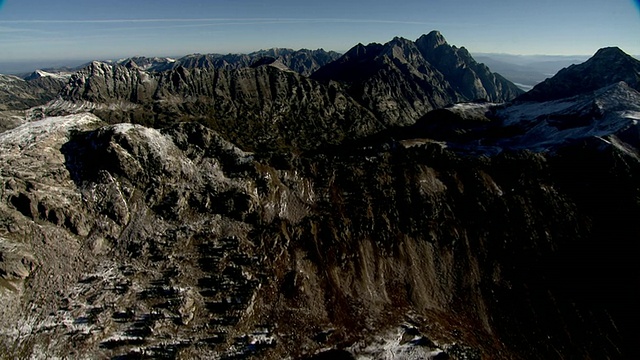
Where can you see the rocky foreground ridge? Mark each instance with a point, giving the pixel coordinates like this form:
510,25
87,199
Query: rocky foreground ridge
179,244
482,231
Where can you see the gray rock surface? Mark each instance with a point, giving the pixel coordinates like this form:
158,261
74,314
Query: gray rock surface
257,108
122,240
469,78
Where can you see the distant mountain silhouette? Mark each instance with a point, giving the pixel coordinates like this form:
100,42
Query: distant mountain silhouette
302,61
608,66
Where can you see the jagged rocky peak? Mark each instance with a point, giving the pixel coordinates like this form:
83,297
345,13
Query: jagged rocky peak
612,61
103,84
470,78
361,51
303,61
131,64
255,107
265,60
606,67
399,41
611,53
431,40
272,62
402,80
402,49
99,68
98,65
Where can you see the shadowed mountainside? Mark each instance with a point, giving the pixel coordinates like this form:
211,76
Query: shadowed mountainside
606,67
178,244
403,80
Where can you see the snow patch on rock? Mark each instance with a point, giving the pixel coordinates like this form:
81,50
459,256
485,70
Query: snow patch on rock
29,134
395,345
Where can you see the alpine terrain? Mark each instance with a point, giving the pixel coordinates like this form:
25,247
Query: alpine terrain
399,201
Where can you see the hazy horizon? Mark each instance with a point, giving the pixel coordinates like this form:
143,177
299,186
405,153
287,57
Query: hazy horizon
87,29
20,67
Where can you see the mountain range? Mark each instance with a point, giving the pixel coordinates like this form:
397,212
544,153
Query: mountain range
402,80
397,201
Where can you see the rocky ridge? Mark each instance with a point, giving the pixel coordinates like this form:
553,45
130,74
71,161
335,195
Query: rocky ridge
257,108
302,61
19,94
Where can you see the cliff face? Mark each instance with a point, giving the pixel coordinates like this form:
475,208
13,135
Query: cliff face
257,101
469,78
178,244
257,108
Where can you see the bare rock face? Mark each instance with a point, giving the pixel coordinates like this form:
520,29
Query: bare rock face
126,241
257,108
402,80
392,79
469,78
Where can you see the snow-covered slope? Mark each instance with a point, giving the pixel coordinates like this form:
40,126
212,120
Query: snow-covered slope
606,111
59,75
31,133
489,128
608,66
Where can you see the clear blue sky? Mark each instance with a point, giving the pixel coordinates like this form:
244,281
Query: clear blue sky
90,29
